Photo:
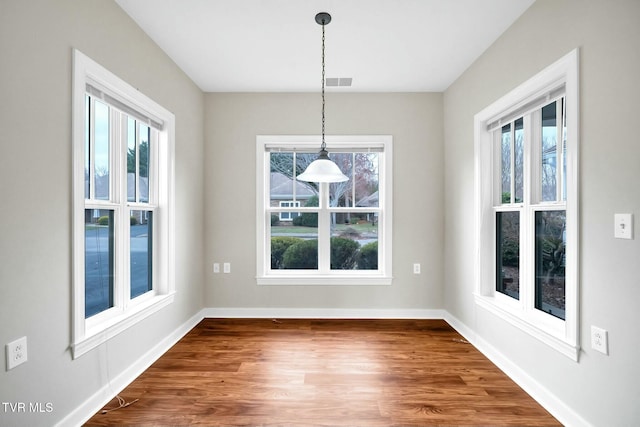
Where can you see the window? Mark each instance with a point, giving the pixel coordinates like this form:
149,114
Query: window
123,205
338,233
527,209
289,216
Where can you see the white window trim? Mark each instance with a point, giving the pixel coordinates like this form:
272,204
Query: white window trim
558,334
89,333
383,276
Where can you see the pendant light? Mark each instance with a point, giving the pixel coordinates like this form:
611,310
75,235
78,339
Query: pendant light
323,169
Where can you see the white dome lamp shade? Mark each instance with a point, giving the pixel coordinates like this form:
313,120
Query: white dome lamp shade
323,169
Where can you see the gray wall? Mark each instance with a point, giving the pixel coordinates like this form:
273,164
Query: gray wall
603,389
232,122
36,41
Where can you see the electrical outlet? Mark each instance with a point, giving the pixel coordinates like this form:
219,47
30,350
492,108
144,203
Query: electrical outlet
416,268
16,352
216,267
599,340
227,267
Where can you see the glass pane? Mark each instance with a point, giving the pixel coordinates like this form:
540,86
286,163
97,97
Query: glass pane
518,127
506,163
98,260
294,244
354,241
131,160
282,182
143,163
141,252
101,160
508,253
87,147
549,152
341,193
366,178
550,262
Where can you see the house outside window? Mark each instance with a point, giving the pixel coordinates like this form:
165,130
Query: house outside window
527,208
123,205
338,233
289,216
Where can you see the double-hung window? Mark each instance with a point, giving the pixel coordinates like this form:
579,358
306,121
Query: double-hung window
324,233
526,206
122,217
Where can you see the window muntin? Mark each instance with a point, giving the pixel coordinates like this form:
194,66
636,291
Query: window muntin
547,303
333,222
123,268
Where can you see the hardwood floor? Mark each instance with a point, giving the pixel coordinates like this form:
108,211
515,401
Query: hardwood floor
239,372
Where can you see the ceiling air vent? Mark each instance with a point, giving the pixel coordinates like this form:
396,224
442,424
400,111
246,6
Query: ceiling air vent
339,81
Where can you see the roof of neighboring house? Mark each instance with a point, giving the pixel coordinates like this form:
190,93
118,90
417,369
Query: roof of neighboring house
371,200
282,188
102,186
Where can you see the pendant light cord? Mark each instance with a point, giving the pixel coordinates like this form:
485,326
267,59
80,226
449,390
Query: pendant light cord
322,147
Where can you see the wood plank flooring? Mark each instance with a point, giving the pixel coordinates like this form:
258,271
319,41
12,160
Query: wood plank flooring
264,372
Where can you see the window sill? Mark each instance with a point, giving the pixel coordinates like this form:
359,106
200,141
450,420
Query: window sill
515,318
114,326
324,280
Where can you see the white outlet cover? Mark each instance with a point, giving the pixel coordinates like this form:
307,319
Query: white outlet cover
16,352
599,340
623,224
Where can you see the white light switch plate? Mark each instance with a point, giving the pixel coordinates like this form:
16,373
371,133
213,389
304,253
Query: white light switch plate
623,226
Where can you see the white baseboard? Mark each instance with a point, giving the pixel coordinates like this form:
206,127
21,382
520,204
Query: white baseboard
97,401
322,313
544,397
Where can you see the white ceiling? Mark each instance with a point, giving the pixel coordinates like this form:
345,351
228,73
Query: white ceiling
275,45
